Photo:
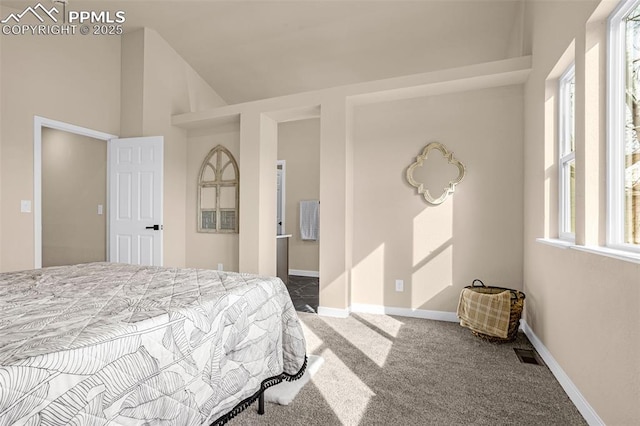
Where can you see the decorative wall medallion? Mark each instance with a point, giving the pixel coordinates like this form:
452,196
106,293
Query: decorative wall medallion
418,180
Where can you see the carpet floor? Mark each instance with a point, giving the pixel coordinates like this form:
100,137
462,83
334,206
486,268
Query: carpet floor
384,370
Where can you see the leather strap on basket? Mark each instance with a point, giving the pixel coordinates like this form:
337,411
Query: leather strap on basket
473,284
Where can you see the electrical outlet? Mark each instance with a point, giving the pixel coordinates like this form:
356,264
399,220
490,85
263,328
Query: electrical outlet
399,285
220,267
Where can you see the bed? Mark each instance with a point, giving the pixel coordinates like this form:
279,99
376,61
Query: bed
105,343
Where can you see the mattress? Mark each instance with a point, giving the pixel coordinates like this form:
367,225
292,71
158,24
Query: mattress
104,343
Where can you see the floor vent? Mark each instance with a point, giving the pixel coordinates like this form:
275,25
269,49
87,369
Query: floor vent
528,356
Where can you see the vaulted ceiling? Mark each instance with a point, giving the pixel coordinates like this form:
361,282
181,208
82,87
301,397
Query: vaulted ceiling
249,50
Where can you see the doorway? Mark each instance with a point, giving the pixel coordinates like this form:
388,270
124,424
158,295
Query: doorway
144,158
299,152
74,198
39,124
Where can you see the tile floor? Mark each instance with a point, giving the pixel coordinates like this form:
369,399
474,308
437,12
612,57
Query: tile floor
304,293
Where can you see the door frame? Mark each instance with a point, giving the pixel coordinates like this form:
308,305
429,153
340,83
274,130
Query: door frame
38,124
283,190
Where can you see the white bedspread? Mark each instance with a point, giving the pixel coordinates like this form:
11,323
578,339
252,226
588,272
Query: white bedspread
105,343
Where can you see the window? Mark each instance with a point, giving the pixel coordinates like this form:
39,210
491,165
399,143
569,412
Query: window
567,155
218,196
623,219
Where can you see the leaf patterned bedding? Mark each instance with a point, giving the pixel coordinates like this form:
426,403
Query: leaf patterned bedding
105,343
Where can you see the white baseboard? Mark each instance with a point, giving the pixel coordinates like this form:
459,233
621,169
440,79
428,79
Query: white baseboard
569,387
303,273
405,312
333,312
386,310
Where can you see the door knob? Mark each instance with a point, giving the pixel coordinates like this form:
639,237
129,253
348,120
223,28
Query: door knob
154,227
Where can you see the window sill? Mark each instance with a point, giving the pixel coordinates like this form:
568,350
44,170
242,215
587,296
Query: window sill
627,256
555,242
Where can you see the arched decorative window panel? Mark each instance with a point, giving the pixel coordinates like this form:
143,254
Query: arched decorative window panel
218,192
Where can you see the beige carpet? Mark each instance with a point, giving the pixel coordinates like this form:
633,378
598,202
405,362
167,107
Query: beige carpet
383,370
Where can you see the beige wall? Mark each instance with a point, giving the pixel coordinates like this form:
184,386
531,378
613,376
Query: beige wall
258,159
78,80
258,148
70,79
74,183
155,88
2,10
299,146
437,250
296,143
205,250
584,307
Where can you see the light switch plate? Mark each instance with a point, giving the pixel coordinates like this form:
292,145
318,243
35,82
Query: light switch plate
25,206
399,285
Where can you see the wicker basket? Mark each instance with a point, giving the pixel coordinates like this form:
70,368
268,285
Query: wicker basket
517,303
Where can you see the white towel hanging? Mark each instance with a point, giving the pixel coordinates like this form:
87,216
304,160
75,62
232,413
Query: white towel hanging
309,219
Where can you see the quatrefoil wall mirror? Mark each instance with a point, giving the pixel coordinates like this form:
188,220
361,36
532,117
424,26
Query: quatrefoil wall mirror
435,173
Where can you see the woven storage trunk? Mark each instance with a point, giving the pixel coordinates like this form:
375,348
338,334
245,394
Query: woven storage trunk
517,303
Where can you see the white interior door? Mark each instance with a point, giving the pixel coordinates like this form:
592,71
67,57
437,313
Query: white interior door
135,197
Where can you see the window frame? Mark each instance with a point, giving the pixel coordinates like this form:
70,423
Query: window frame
616,86
566,153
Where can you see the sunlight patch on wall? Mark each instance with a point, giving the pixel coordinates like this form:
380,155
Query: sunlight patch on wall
368,278
431,229
370,342
433,277
350,389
